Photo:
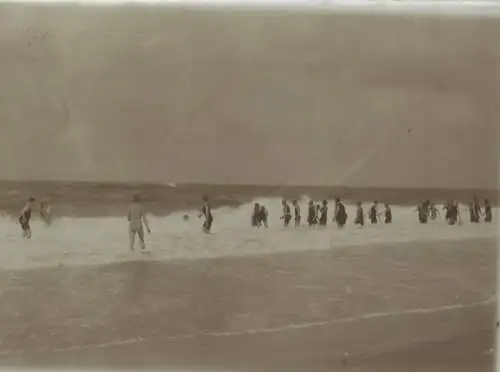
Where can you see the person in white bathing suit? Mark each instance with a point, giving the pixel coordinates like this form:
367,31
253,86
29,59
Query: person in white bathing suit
136,220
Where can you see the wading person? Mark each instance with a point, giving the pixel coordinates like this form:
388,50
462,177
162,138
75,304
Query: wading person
373,213
136,222
487,211
296,211
359,220
206,213
256,215
341,214
25,218
388,214
323,213
263,215
287,213
311,214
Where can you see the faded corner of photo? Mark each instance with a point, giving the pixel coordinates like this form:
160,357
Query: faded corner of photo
249,188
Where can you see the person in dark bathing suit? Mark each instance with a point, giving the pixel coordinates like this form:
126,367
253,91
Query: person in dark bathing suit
452,213
360,216
206,212
476,211
263,215
447,211
487,211
388,214
323,211
287,213
311,214
256,215
422,212
25,218
341,214
373,213
296,211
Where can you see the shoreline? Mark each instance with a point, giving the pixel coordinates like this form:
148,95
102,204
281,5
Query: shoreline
138,259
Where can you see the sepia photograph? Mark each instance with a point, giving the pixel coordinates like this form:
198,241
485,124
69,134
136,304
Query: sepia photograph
248,189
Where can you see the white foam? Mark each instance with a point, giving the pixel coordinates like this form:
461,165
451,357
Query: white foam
93,241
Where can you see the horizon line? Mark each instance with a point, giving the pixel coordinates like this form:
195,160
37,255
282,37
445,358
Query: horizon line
199,183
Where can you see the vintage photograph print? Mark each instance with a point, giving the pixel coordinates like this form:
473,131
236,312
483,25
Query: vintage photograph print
188,188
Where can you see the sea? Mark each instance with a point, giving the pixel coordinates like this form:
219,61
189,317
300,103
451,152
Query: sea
90,226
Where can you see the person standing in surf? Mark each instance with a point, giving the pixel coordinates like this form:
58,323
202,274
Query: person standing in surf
476,210
487,211
311,214
259,216
296,211
452,214
136,222
340,213
263,215
323,213
256,215
25,218
422,212
206,213
373,213
287,213
388,214
359,220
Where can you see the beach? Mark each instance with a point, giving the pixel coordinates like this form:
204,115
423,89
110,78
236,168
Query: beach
414,306
174,103
404,296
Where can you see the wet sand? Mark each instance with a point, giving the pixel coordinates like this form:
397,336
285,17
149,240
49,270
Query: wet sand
402,307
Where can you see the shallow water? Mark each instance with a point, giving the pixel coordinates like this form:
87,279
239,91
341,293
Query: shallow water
104,240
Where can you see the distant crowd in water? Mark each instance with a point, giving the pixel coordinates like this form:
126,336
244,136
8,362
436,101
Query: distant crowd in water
317,215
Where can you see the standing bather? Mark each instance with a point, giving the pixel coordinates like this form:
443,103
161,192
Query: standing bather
388,214
373,213
341,214
422,212
206,213
296,211
287,213
451,212
323,213
256,215
360,216
487,211
311,214
25,218
263,216
476,211
136,221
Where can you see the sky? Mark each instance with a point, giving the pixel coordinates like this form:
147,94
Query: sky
169,95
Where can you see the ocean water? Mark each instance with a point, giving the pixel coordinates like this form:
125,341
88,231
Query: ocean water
104,240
